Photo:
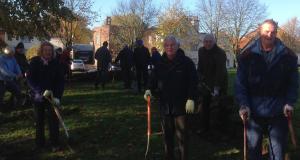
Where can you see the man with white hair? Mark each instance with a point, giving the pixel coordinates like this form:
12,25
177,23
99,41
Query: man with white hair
175,78
213,73
9,73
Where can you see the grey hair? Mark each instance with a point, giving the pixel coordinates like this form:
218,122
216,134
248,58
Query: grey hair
173,39
210,37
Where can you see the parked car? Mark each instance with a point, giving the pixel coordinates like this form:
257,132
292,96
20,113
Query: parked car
84,52
78,65
114,70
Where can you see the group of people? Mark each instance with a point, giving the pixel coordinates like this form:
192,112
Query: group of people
266,89
140,60
266,86
45,71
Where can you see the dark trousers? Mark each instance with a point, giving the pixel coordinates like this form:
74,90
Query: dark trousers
11,86
206,111
141,74
175,125
102,76
40,108
126,76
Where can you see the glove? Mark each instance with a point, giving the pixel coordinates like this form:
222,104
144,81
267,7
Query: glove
189,106
244,112
48,94
147,93
56,101
287,109
216,91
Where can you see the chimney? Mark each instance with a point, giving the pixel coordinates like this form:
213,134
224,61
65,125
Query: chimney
108,20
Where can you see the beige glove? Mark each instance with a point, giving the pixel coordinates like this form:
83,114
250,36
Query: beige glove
48,94
147,93
244,112
189,106
287,109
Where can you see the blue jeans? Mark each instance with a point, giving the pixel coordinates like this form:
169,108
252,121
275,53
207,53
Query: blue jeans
277,131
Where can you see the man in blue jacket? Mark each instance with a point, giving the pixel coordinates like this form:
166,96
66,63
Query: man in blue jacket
267,90
9,73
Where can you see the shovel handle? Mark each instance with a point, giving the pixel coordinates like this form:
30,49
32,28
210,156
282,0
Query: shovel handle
291,129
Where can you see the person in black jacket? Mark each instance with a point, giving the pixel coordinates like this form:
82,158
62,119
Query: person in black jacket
141,58
44,74
103,58
176,78
21,58
213,84
126,61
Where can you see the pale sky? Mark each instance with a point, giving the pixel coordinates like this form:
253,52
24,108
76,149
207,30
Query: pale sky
279,10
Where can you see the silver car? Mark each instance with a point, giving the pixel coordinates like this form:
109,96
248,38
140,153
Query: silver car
77,65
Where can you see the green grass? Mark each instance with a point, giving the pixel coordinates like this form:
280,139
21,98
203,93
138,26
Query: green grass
111,125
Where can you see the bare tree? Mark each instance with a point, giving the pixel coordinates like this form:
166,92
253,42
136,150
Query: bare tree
132,18
74,26
212,16
290,34
176,21
242,16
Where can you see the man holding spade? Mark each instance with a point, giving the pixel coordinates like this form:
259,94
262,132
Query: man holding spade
175,77
267,90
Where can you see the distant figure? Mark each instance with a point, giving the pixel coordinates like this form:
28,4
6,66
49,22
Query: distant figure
65,61
103,58
10,72
213,83
126,62
155,55
141,58
58,52
45,74
21,58
267,85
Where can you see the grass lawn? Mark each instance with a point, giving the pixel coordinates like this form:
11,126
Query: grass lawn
111,125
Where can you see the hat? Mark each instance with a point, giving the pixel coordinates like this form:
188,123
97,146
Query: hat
139,42
20,45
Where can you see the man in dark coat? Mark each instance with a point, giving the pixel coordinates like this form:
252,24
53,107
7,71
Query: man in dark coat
141,58
126,62
103,58
45,74
213,73
177,79
21,58
266,89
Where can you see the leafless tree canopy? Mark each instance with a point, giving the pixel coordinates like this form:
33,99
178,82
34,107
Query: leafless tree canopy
211,13
290,34
176,21
231,18
132,17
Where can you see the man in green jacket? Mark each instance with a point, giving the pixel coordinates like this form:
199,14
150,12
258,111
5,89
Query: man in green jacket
213,73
